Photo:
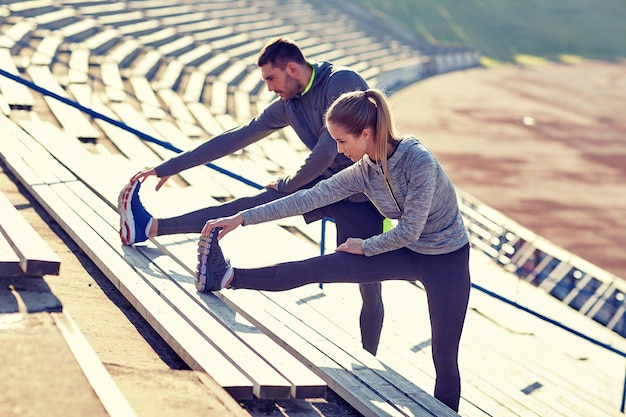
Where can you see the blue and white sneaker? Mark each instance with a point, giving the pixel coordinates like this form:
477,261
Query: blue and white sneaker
213,271
135,221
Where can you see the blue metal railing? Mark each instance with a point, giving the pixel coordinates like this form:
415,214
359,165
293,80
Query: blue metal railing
253,184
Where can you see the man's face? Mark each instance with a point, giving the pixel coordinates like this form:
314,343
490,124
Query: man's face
282,82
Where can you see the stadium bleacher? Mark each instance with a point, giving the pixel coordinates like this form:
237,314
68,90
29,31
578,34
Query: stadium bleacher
183,74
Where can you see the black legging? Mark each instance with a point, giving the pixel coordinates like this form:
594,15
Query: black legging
358,220
446,279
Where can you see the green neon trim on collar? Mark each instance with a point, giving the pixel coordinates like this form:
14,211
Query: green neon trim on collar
308,86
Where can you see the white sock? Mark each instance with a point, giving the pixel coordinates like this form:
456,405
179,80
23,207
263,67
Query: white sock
148,226
227,276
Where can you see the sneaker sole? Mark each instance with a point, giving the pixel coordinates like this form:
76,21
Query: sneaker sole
127,221
201,271
204,249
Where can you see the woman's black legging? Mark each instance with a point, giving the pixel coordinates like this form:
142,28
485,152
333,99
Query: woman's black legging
446,279
359,220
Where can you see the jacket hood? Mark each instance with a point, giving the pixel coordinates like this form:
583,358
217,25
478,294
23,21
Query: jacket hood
403,147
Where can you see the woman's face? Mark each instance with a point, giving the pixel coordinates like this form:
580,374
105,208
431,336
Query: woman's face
352,146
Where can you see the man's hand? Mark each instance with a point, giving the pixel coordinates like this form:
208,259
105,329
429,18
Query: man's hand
227,224
352,245
272,186
142,175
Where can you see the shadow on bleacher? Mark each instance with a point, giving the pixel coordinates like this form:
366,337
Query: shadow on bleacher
184,73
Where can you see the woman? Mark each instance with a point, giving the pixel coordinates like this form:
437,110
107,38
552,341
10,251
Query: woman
405,182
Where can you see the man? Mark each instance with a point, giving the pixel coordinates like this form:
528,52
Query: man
305,91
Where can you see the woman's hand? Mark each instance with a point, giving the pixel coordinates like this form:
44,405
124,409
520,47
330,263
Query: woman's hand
228,224
352,245
142,175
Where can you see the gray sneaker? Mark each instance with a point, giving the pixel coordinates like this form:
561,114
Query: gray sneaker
212,266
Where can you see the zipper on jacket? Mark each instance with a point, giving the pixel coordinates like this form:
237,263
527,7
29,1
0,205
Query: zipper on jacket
388,187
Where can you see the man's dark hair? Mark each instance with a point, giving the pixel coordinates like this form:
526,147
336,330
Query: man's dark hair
279,52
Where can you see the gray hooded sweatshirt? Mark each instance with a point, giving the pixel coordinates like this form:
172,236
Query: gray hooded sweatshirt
419,195
304,113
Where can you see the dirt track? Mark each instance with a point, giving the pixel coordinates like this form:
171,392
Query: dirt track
563,177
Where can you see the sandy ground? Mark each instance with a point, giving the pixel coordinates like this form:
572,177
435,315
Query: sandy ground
562,177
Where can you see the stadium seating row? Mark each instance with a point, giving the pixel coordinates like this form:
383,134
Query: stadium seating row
189,73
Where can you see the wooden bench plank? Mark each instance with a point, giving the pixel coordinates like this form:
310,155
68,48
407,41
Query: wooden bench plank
272,385
47,49
181,114
334,365
112,80
268,383
301,389
196,56
125,53
214,64
9,260
205,118
351,380
79,66
195,87
177,47
73,121
35,256
150,104
79,30
58,195
17,35
17,95
147,65
101,42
